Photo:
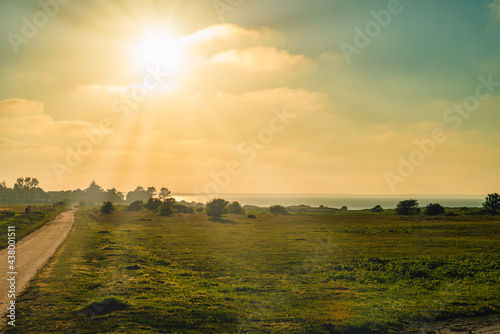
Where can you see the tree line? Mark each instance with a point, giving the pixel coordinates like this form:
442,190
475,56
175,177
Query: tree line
411,207
26,190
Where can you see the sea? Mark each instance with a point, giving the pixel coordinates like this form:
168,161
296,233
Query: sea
353,202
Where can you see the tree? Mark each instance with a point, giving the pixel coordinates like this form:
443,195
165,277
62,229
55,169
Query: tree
26,188
139,194
408,207
434,209
3,188
113,195
164,194
94,192
216,208
235,208
107,208
278,210
135,206
492,203
167,207
153,204
377,208
184,208
151,191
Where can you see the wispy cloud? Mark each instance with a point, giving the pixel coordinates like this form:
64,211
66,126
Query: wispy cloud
259,59
18,107
224,31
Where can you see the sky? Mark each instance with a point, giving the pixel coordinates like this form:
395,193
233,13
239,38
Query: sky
252,96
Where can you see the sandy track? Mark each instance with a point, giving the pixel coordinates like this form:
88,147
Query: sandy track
32,252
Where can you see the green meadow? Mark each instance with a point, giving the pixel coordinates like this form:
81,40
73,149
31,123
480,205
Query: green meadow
25,223
298,273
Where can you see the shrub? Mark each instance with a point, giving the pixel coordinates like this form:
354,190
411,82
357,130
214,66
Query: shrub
408,207
167,207
377,208
153,204
107,208
216,208
278,210
135,206
235,208
7,214
434,209
184,208
166,210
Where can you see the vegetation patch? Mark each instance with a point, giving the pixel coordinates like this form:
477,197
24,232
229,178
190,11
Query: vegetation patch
25,223
298,273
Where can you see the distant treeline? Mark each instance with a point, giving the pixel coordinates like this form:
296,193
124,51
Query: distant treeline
27,191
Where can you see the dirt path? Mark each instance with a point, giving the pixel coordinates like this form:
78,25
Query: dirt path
31,253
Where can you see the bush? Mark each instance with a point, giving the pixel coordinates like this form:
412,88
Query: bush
251,217
278,210
235,208
377,208
135,206
408,207
7,214
344,208
107,208
153,204
434,209
166,211
184,208
167,207
216,208
65,202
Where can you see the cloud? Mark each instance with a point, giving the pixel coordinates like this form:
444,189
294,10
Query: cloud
18,107
25,121
259,59
228,32
301,99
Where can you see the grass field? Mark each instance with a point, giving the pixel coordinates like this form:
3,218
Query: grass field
25,222
359,273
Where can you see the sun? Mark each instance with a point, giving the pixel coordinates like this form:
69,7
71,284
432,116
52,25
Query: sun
160,50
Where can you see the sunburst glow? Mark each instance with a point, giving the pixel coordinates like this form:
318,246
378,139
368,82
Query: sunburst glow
161,50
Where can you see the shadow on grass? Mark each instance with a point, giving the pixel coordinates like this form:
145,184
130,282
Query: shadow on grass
222,220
